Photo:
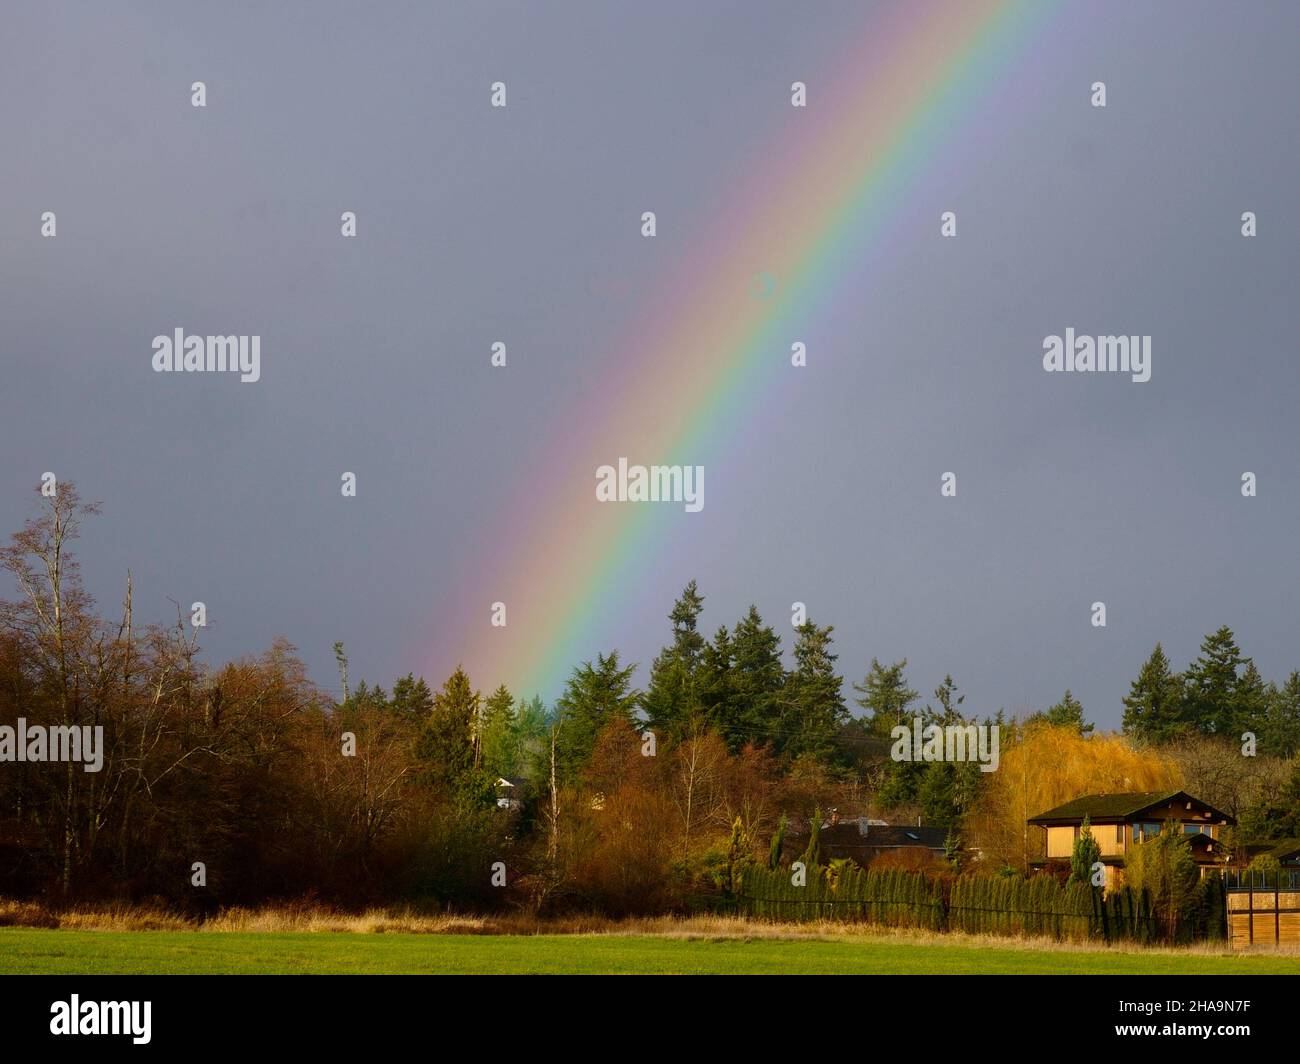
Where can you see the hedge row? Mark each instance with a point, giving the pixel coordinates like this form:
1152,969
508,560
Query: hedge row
893,898
978,904
1011,905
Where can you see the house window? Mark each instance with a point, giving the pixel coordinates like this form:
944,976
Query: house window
1146,830
1192,829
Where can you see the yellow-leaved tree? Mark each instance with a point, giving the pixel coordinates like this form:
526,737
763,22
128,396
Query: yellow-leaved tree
1043,766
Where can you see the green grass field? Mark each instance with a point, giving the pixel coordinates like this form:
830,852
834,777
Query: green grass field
31,951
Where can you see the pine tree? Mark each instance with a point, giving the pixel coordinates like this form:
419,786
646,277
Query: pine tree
532,719
341,657
811,704
901,783
1067,713
812,854
532,738
685,615
1164,869
1212,700
1278,817
936,794
1086,853
946,790
671,701
778,843
446,741
1279,734
366,697
595,695
950,703
753,685
500,734
1153,709
411,697
738,855
713,686
886,696
1251,700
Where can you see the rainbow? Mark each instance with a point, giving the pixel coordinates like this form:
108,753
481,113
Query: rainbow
697,366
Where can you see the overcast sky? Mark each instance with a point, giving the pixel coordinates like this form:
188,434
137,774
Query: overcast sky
226,220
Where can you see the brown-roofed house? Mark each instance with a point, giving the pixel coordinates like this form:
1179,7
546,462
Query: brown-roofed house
1120,821
864,840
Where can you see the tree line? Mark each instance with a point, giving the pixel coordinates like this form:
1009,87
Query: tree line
625,799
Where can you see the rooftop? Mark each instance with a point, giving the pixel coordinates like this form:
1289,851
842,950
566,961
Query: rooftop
1120,806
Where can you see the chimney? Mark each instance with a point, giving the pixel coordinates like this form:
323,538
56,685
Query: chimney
864,825
835,817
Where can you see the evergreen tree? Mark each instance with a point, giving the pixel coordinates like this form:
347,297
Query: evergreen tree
738,855
341,657
950,703
812,706
533,737
532,723
944,790
713,687
411,697
754,682
812,854
1086,853
1068,712
446,741
1279,734
966,775
1153,709
1277,817
1214,702
366,697
671,702
778,843
886,696
936,793
685,616
901,784
595,695
1164,867
500,734
1252,700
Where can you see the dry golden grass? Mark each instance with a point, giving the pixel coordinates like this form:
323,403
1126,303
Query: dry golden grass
312,918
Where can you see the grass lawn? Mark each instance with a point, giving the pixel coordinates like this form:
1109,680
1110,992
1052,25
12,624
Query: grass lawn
24,950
